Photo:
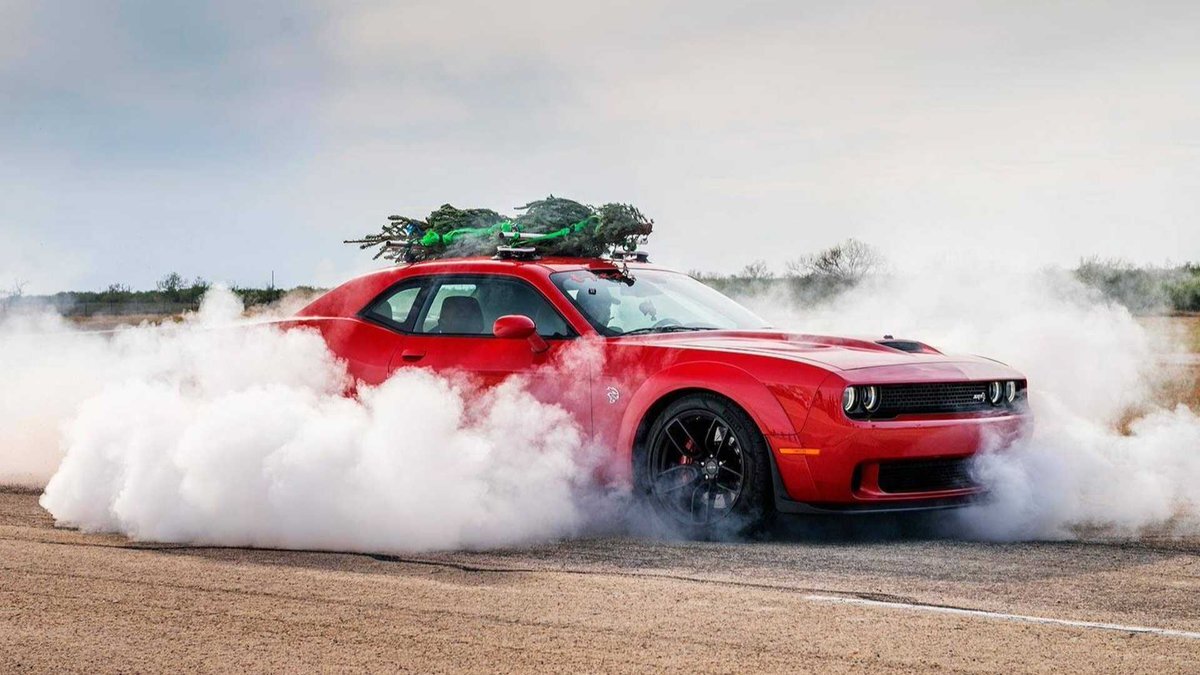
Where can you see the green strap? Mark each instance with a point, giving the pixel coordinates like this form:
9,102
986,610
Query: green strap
432,239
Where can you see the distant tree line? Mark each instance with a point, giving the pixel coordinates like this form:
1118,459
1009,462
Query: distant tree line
808,279
171,294
811,278
1144,289
828,273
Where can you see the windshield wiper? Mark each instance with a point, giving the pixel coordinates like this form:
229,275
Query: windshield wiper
665,329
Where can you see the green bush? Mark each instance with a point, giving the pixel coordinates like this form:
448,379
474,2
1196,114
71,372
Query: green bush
1144,290
1185,293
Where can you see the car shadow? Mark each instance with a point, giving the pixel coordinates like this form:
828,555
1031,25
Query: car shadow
857,529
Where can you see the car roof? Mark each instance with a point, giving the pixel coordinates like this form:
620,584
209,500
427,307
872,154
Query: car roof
488,264
348,298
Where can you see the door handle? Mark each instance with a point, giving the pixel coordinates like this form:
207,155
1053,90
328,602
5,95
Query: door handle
412,355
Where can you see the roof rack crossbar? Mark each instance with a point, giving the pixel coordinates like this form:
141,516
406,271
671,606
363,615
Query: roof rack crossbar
631,256
516,253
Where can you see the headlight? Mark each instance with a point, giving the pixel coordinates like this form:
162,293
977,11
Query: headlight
1010,391
994,392
870,398
849,398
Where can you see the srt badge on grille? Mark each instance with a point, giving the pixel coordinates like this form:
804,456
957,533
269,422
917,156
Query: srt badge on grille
978,397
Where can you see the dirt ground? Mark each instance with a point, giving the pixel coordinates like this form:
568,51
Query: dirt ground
842,603
814,598
1185,326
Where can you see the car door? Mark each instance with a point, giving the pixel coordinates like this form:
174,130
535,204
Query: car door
452,331
369,346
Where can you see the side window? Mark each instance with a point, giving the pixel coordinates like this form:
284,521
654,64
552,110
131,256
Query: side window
471,306
455,309
397,307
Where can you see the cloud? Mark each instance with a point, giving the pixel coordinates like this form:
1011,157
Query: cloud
1042,133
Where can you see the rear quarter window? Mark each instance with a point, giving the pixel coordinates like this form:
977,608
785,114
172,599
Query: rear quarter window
397,306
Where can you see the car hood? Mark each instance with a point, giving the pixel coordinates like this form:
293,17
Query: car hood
833,353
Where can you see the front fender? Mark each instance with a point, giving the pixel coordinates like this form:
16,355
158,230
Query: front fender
720,378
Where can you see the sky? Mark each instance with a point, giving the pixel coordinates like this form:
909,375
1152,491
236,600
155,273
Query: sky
233,140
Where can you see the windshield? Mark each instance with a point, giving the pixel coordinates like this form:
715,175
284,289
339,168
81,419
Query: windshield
651,301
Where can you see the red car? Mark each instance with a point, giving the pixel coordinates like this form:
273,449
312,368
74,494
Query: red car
716,418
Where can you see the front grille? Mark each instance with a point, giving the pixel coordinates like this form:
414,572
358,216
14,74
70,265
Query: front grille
944,397
935,397
926,475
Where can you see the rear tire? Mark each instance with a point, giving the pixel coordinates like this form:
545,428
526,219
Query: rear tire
703,469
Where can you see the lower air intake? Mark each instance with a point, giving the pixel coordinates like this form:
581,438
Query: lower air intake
926,475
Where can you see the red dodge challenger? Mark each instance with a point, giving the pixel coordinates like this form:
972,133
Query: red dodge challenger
715,418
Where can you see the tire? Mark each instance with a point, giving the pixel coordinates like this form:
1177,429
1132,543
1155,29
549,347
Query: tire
703,469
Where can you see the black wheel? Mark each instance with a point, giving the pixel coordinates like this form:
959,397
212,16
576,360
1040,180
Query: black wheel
703,467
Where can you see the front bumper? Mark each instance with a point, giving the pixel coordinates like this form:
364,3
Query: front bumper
833,464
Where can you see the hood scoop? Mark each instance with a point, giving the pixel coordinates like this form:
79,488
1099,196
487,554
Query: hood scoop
910,346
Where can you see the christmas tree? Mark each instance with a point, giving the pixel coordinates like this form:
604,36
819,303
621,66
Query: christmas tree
554,226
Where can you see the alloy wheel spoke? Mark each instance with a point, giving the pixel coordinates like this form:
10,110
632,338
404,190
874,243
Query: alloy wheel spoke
729,470
712,437
692,501
728,441
719,486
671,437
682,467
690,441
679,486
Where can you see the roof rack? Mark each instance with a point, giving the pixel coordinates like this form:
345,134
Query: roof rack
631,256
516,253
531,253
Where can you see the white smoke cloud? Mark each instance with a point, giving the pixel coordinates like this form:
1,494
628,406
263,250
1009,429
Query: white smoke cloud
207,432
1092,368
214,433
1076,476
47,370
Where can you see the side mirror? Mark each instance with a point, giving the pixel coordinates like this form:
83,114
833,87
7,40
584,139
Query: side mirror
518,327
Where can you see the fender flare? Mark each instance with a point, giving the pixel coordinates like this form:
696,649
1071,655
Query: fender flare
723,379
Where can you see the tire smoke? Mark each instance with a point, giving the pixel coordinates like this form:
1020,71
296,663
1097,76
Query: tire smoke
1109,454
214,431
219,431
